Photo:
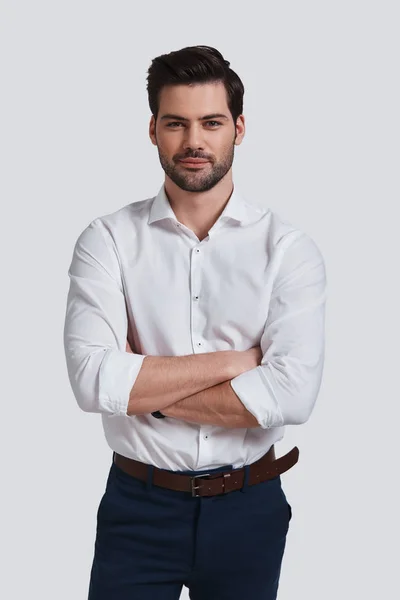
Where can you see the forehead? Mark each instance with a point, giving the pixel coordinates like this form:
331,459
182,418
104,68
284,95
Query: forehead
194,100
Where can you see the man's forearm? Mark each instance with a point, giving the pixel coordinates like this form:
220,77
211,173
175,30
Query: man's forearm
164,380
217,405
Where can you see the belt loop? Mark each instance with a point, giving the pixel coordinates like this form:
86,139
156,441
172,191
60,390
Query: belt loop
246,478
150,470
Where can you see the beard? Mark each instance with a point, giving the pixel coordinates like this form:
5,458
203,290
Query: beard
198,180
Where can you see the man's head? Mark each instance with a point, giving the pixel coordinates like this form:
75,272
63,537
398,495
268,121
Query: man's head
196,102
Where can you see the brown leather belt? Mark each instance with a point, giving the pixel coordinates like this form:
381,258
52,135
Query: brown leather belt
212,484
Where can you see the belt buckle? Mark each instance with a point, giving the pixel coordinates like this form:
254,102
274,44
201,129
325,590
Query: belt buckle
196,487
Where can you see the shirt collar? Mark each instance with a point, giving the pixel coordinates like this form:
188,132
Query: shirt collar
236,208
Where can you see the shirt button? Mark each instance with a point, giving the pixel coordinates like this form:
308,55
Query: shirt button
197,250
196,298
199,343
206,437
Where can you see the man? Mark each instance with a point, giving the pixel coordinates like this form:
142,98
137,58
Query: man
222,304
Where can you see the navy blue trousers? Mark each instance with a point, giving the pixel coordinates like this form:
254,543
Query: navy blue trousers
152,541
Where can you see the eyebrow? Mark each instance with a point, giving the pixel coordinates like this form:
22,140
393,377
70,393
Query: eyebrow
178,118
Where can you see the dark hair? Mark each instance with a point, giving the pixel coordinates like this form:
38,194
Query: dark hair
194,64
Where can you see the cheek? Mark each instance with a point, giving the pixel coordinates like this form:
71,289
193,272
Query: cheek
224,150
225,143
168,146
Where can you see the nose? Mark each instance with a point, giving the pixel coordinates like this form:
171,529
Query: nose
193,138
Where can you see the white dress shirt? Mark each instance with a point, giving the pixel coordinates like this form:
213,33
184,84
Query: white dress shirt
254,280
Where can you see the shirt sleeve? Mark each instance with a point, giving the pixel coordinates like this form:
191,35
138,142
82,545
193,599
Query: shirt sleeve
284,388
100,370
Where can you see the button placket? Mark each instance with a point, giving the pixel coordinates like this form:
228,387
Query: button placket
195,284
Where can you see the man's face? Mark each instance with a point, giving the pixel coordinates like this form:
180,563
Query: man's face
181,132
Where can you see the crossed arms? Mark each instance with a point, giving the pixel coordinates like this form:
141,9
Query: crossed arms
214,405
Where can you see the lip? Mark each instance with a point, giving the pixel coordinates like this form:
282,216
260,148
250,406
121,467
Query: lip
194,162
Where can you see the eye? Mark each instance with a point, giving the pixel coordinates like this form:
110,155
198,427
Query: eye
175,123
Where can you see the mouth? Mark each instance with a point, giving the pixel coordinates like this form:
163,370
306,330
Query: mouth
194,163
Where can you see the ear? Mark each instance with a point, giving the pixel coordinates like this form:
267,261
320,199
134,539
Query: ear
152,130
240,129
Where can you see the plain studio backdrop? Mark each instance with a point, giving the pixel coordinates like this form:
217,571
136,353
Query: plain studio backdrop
321,149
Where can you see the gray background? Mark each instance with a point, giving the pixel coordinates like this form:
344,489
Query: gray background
321,149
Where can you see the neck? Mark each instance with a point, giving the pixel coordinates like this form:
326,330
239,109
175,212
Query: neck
199,210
